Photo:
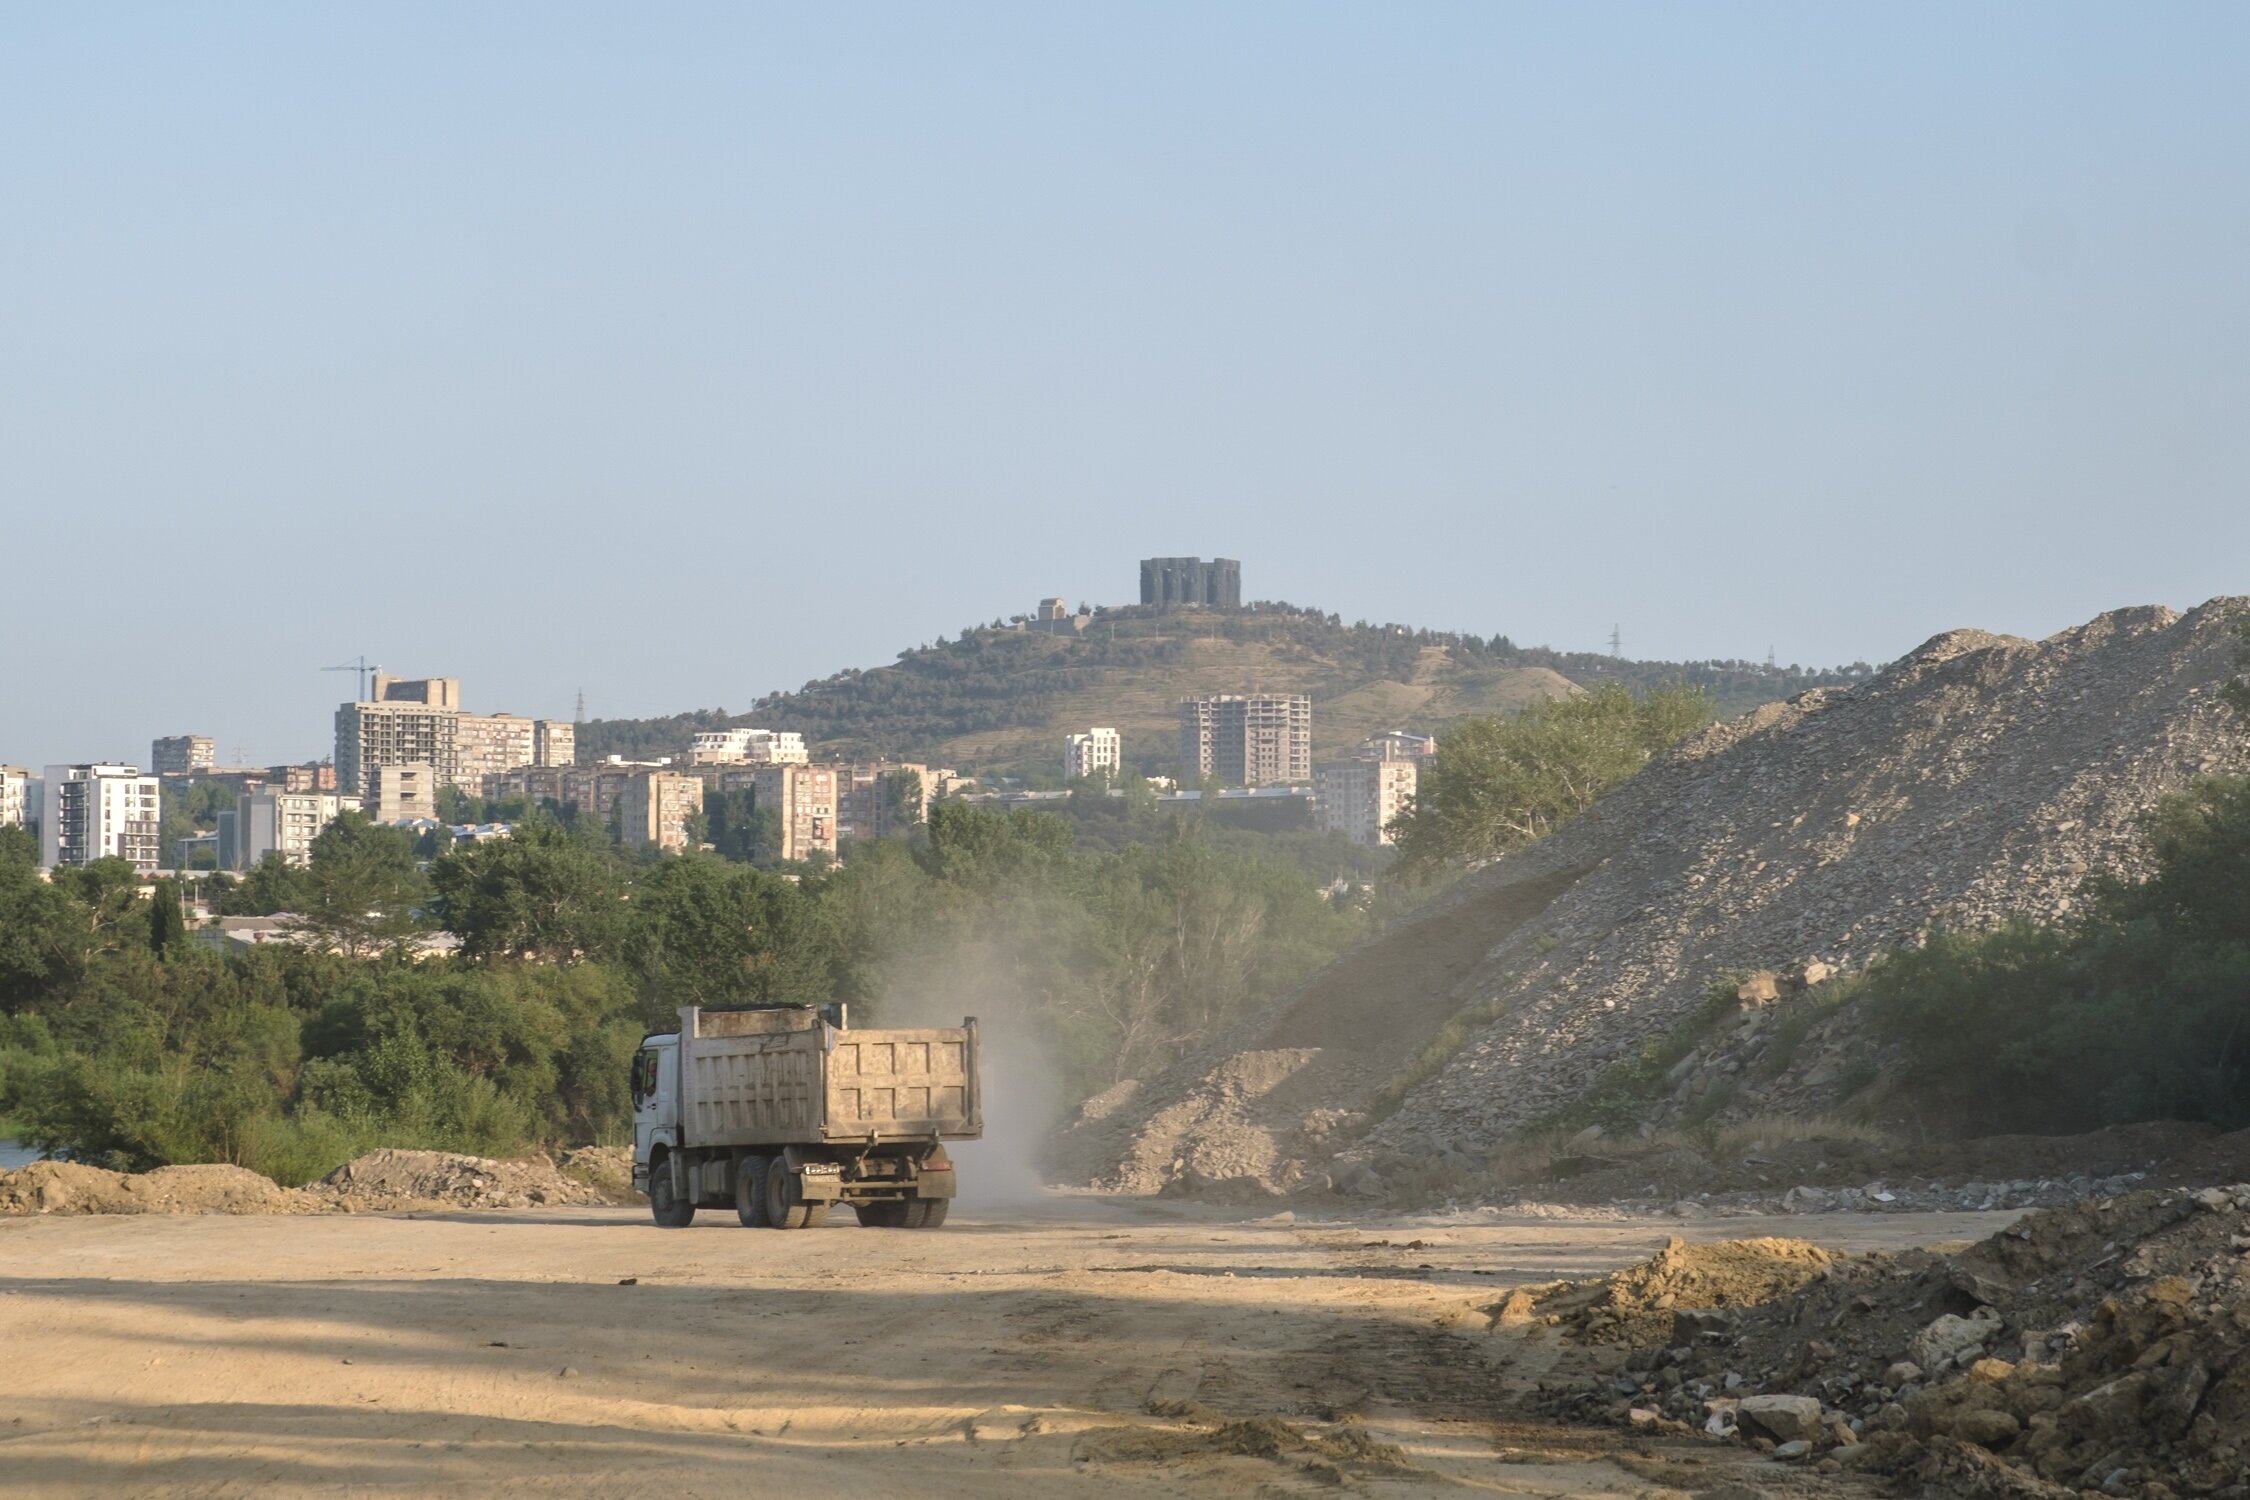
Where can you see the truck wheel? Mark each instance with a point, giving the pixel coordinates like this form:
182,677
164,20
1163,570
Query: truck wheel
884,1213
925,1213
786,1207
669,1211
750,1191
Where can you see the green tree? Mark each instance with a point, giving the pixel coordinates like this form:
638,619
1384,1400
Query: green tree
167,921
271,886
704,932
1498,784
977,845
539,893
362,887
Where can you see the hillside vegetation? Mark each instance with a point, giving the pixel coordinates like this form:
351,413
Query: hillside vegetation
996,698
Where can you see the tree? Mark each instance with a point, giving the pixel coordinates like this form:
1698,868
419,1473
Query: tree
978,845
362,887
540,893
1498,784
167,922
704,932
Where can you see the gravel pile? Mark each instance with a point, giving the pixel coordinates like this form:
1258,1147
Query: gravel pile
2103,1347
404,1179
1980,777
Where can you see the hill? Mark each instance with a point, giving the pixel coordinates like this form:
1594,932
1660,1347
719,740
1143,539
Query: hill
1980,778
1000,698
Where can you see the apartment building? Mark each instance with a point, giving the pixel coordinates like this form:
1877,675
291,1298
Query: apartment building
1359,797
873,800
272,821
1191,580
734,747
99,811
533,784
554,742
1095,750
804,801
15,796
653,809
402,793
1397,744
420,720
1256,739
182,755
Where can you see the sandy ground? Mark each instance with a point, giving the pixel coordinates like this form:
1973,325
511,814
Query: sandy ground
1030,1351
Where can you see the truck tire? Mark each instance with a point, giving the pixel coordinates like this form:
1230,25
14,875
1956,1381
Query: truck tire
786,1207
925,1213
883,1213
750,1191
669,1210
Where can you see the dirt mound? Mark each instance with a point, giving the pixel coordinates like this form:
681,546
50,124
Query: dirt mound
57,1187
2104,1346
1981,777
608,1170
402,1179
1636,1305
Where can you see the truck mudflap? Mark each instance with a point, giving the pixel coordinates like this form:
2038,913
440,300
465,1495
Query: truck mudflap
934,1182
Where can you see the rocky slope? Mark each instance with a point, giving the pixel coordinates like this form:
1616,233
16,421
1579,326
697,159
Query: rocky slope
1978,777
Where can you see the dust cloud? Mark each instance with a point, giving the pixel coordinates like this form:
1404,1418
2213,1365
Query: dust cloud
1023,1097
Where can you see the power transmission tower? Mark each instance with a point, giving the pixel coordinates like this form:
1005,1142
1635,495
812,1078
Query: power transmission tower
581,707
1616,641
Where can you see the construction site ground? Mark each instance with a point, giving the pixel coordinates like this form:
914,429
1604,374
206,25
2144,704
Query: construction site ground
1047,1348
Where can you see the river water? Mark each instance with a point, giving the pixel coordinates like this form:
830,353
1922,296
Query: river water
14,1154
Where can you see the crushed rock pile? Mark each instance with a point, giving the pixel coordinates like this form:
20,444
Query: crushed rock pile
1980,777
401,1179
2102,1347
61,1187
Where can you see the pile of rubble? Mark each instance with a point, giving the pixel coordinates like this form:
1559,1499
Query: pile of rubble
1980,777
2102,1347
404,1179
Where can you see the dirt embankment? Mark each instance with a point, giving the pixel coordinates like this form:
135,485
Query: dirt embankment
2103,1347
380,1180
1980,777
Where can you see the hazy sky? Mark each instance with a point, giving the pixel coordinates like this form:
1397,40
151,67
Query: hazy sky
680,353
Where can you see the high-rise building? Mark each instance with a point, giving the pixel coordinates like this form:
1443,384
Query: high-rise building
15,796
875,801
1257,739
401,793
723,747
182,754
284,823
1095,750
1191,580
654,808
1358,798
804,801
420,720
99,811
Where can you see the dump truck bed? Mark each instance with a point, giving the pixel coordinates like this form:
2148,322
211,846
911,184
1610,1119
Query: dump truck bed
787,1077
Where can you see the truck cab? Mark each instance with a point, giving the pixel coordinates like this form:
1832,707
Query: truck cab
656,1101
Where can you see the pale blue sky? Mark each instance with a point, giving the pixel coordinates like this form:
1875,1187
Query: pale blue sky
681,353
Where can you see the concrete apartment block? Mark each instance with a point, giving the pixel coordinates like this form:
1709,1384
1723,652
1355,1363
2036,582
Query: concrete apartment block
15,796
279,822
654,807
1358,798
1257,739
734,747
182,754
1191,580
401,793
805,801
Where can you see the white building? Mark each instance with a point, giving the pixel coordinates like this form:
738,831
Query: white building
284,823
1359,798
1095,750
767,747
15,795
99,811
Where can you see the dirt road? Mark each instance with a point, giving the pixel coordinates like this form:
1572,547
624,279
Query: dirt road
1045,1350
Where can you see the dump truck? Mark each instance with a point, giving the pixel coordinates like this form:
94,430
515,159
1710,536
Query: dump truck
783,1111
